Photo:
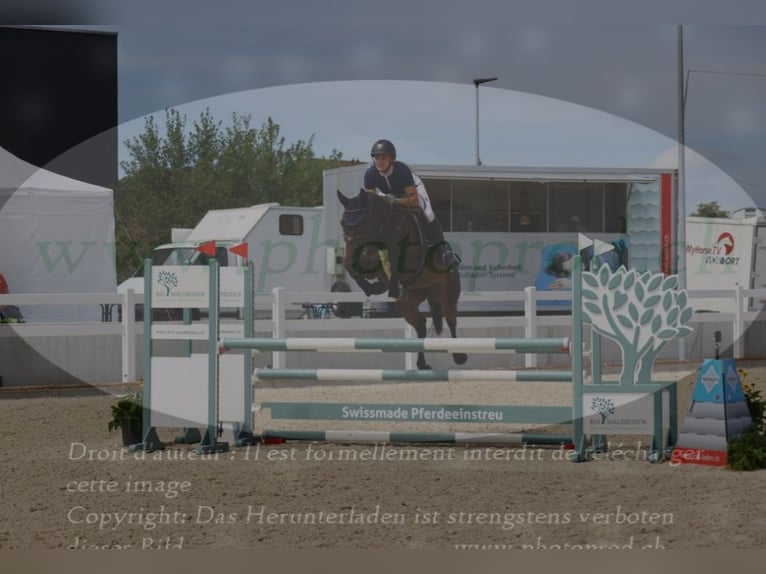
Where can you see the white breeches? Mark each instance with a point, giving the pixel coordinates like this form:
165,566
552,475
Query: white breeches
425,202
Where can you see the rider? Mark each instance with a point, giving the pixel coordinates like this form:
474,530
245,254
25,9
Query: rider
396,183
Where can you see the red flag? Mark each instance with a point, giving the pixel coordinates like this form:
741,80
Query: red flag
240,250
208,248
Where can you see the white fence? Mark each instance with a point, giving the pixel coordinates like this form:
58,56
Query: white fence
282,309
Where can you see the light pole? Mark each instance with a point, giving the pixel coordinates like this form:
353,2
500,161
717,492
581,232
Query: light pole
681,189
477,82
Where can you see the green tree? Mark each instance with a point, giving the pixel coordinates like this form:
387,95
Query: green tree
174,175
710,209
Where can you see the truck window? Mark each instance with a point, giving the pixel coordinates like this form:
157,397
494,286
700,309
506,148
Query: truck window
184,256
221,254
167,256
528,206
177,256
290,224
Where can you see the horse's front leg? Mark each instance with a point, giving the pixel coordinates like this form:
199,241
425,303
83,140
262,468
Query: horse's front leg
408,308
390,271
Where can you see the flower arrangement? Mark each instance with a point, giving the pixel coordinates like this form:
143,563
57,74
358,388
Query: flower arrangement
748,451
128,415
755,402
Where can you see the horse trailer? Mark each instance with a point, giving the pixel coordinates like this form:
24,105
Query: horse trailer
506,224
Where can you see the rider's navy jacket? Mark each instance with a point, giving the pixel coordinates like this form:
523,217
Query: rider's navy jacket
400,176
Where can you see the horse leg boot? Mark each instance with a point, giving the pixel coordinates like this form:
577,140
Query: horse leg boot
437,238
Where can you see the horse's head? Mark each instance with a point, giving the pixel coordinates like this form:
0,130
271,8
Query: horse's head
356,215
361,230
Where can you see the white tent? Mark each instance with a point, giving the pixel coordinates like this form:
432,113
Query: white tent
56,236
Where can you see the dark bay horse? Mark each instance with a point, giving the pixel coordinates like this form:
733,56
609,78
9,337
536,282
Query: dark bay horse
413,271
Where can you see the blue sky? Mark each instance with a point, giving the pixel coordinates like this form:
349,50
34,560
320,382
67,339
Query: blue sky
435,123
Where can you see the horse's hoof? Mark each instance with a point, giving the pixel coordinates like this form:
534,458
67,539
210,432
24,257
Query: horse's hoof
424,367
459,358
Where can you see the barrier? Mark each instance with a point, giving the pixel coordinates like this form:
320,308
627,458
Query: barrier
371,375
196,390
417,437
341,345
639,304
479,345
536,414
654,402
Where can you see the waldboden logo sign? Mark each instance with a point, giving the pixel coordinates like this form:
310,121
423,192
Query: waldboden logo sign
618,413
183,286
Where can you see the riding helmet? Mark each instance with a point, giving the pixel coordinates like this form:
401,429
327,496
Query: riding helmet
383,147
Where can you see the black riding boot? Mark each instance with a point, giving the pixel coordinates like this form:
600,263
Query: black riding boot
437,238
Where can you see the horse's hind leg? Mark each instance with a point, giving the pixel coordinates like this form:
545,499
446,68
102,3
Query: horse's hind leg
459,358
450,313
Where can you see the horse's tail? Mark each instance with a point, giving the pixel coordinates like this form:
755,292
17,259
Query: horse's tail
437,317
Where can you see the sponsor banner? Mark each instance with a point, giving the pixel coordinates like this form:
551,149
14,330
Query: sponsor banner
196,331
666,224
709,387
231,330
621,413
180,286
733,388
711,420
698,456
383,412
710,383
515,261
177,331
419,413
718,256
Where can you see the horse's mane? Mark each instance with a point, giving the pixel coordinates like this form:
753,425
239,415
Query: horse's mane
368,208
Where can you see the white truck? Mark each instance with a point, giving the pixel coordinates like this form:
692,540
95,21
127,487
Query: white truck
722,253
286,244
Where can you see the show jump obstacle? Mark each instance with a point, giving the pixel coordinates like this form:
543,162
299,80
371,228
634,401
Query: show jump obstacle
640,312
196,390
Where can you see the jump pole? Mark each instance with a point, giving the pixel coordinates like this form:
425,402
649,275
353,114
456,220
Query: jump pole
348,344
371,375
363,436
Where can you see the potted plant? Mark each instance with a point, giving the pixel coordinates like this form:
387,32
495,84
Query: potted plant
128,415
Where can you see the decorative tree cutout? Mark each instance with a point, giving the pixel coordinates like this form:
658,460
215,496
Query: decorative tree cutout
602,406
640,312
168,280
